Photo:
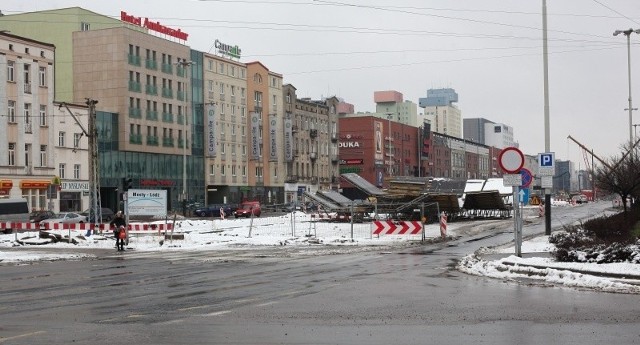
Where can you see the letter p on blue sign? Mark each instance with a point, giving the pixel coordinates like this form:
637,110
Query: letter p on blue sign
546,159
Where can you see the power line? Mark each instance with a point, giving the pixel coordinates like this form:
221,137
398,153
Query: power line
614,11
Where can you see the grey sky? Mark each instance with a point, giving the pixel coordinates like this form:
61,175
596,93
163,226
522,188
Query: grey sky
489,51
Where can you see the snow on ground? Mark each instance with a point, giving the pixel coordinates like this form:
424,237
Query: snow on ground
536,266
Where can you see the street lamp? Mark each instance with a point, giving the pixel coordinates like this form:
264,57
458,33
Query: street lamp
628,33
635,132
184,64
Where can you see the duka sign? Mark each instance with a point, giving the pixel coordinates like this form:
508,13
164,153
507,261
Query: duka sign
155,26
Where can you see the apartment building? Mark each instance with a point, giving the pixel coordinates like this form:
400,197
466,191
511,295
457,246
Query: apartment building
27,131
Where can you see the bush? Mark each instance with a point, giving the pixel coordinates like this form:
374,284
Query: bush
577,244
616,228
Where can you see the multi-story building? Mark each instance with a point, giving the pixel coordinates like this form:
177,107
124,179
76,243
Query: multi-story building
225,90
441,113
28,137
390,104
55,26
377,151
143,79
311,143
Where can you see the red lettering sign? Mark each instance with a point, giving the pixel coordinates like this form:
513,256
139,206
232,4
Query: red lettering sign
155,26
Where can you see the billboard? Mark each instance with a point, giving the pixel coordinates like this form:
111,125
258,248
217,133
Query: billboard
147,202
288,138
211,130
255,136
273,143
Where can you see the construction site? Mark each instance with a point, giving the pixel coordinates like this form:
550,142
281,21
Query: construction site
416,198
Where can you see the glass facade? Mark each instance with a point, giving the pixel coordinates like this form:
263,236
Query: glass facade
147,170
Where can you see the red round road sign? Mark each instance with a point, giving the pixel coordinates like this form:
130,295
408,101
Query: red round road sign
511,160
527,177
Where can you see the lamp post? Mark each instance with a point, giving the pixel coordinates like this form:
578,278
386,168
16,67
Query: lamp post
628,33
184,64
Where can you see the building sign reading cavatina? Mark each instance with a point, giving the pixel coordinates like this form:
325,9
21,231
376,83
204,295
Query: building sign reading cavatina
155,26
227,49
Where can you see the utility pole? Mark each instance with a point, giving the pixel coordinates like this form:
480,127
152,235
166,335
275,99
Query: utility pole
95,210
547,148
94,177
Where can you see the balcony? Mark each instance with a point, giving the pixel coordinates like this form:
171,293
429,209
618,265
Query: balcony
167,68
334,137
181,143
180,95
243,101
291,179
27,128
335,160
167,93
152,141
134,60
151,89
294,129
211,95
167,142
27,88
135,113
180,119
223,97
167,117
151,64
152,115
181,71
313,155
135,139
313,133
314,180
134,86
233,99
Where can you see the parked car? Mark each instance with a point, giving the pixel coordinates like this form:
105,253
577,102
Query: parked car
247,208
65,218
107,214
38,216
214,210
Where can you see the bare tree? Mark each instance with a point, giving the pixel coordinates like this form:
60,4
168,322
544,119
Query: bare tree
623,179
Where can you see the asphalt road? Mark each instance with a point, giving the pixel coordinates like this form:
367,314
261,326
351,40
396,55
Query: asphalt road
410,295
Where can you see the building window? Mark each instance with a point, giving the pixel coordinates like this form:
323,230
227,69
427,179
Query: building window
233,71
42,76
222,170
61,139
27,113
244,170
210,65
43,155
43,115
233,170
221,71
11,111
222,148
257,78
84,26
12,154
221,88
61,167
76,171
76,139
27,78
212,170
11,71
288,99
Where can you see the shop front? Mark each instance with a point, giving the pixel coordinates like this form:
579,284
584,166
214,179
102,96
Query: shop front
5,188
74,196
35,192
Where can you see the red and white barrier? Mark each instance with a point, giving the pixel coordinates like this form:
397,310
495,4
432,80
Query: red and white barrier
443,225
541,210
382,227
82,226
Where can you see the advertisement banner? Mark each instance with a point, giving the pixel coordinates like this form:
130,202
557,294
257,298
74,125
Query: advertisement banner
426,139
379,145
147,202
288,139
273,144
211,130
255,136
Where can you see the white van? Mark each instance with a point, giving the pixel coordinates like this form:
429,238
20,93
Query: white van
13,210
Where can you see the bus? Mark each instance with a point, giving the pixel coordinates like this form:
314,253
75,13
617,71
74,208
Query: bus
13,210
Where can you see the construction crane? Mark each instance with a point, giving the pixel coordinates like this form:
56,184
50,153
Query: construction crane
591,151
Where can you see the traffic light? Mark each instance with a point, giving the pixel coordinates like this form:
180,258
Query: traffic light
127,183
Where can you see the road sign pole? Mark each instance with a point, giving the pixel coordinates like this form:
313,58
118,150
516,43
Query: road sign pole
516,221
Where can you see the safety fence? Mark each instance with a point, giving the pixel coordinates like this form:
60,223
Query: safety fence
19,226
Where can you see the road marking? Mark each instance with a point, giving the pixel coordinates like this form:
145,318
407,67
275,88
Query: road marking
217,313
266,304
2,340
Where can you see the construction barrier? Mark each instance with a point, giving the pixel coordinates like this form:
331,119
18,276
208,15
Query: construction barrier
83,226
388,227
443,225
541,210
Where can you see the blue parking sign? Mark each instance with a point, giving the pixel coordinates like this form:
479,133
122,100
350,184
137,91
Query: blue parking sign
546,159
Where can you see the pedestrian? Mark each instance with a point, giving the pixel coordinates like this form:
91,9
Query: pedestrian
122,235
119,226
222,213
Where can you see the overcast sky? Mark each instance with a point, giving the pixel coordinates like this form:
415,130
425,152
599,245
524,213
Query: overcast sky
489,51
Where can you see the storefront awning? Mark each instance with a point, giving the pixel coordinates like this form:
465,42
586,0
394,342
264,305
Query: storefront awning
6,184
